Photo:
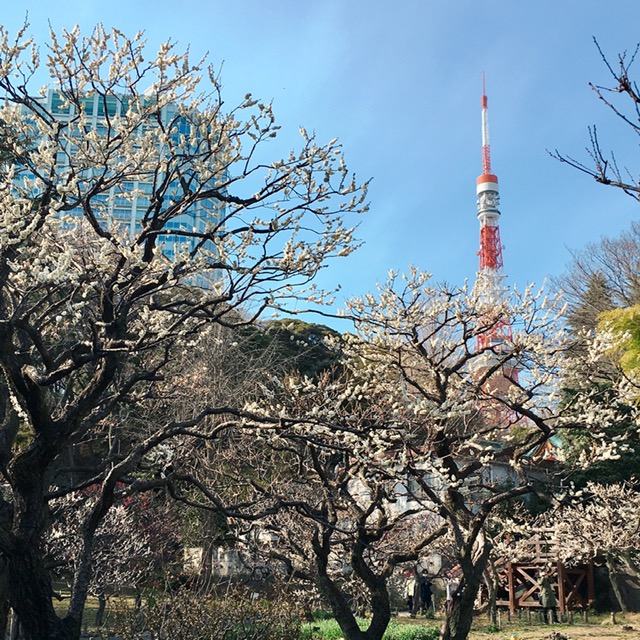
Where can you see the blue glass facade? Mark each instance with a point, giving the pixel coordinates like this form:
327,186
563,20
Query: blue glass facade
128,202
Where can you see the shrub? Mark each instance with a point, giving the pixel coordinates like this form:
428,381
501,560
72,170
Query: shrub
188,616
321,614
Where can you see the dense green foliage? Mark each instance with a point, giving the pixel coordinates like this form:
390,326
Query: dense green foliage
625,323
304,345
601,288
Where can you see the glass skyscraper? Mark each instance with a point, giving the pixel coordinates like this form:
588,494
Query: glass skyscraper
127,202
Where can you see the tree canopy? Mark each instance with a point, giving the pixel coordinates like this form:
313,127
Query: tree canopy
95,314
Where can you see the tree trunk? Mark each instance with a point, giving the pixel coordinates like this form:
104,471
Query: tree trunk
341,606
214,528
30,598
614,578
4,618
376,585
381,612
5,608
102,605
348,623
630,563
205,571
491,580
459,611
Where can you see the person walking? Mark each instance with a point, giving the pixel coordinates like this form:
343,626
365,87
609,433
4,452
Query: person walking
425,595
548,599
409,590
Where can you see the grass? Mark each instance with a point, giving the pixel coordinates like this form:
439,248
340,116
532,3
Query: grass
329,630
91,609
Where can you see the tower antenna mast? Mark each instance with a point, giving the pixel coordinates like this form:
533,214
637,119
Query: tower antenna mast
486,148
489,282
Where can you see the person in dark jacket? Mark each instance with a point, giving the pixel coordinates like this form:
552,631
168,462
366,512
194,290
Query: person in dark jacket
426,593
548,599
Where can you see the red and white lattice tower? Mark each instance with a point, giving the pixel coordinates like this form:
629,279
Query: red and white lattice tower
495,338
489,283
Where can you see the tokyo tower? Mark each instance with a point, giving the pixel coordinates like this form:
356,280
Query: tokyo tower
496,332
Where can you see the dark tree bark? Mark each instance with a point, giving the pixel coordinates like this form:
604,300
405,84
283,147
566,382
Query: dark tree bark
459,611
5,609
31,599
491,580
614,578
102,605
337,598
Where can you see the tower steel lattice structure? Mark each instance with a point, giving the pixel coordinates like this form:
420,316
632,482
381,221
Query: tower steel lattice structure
490,279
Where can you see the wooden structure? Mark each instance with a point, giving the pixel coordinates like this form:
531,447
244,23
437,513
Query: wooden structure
573,586
519,581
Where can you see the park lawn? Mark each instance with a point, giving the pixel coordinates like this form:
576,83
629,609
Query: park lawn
91,608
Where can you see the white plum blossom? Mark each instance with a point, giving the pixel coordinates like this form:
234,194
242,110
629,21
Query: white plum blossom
96,314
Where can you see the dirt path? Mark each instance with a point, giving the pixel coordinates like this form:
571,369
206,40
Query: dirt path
600,627
573,632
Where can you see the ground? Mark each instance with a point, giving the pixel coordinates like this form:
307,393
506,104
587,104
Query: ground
576,632
599,627
528,627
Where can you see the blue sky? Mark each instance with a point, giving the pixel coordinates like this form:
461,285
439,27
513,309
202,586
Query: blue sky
399,83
